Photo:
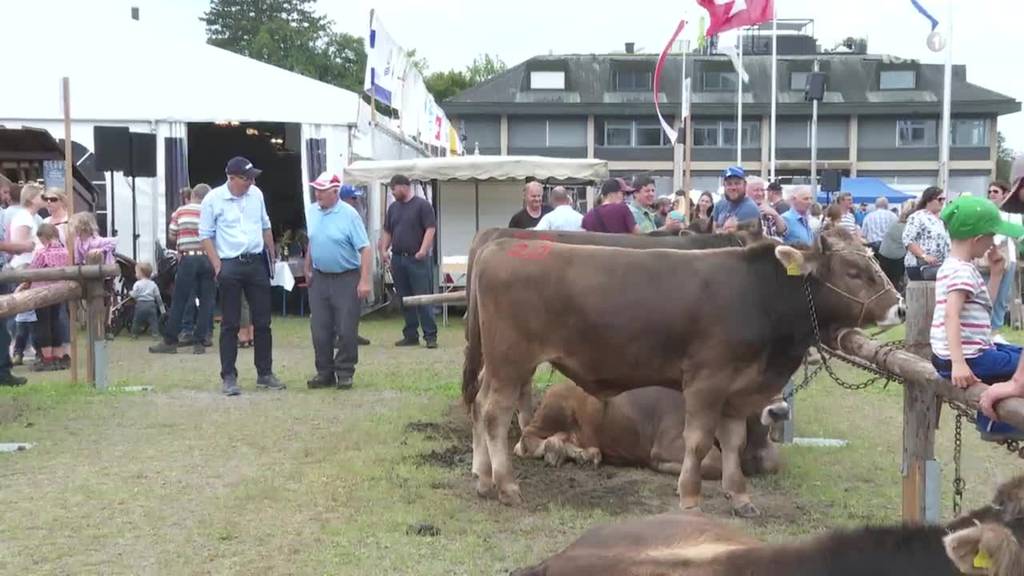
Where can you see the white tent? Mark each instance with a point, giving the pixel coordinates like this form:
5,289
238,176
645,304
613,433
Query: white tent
127,73
474,192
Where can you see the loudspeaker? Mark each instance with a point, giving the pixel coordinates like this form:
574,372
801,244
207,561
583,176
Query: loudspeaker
143,155
815,89
112,148
831,180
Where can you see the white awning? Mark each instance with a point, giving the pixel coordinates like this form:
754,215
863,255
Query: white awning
478,168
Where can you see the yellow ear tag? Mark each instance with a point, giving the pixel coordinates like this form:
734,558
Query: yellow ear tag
793,269
982,560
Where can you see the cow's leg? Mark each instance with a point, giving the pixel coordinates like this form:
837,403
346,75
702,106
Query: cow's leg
732,436
502,397
480,457
525,406
702,415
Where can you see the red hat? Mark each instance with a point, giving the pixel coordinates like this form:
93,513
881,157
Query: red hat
326,181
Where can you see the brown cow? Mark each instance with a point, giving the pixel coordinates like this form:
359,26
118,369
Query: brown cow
728,327
681,544
642,427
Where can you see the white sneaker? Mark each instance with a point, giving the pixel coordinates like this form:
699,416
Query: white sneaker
998,339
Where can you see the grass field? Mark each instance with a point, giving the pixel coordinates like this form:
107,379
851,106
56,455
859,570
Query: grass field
374,480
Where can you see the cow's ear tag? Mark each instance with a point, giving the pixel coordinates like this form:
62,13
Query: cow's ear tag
982,560
793,269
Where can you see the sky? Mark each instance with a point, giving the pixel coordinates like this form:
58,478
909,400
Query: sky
450,33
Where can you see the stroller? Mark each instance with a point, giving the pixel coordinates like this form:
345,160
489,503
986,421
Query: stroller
122,306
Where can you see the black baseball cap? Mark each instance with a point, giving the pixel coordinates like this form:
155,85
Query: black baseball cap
775,186
240,166
613,185
399,180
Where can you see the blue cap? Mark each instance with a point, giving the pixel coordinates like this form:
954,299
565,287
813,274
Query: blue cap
349,191
734,172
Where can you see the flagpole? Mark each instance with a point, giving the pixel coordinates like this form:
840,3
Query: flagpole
947,89
739,102
775,89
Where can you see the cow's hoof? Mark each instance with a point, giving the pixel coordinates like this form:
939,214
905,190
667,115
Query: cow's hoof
485,490
554,458
746,510
518,450
510,496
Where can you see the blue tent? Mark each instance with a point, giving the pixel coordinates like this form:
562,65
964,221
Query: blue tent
866,190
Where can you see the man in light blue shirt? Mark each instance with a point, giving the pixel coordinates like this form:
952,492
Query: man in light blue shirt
798,218
337,268
235,232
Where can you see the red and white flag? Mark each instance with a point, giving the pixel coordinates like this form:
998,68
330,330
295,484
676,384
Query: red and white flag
729,14
658,69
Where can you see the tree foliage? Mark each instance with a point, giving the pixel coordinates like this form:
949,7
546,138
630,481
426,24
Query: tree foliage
288,34
444,85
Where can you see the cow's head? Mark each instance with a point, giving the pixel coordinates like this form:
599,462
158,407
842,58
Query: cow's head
851,288
989,549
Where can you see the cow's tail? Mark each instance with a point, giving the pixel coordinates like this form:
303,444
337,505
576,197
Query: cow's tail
473,362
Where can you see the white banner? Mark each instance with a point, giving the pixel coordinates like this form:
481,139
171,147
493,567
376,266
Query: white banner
385,60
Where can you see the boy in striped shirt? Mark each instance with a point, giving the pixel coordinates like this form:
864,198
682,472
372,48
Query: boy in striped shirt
961,333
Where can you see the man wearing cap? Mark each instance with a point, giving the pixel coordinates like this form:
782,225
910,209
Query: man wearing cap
563,216
735,207
409,228
337,267
612,216
194,276
235,232
961,333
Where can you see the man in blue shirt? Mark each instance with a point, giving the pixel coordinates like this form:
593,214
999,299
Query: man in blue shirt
735,208
337,267
798,218
235,232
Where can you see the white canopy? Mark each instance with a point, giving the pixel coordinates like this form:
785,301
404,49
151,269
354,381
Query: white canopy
122,70
477,168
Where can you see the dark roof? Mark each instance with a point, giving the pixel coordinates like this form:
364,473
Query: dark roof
852,87
35,144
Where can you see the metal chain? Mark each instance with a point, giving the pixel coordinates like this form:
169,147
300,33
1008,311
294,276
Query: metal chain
959,484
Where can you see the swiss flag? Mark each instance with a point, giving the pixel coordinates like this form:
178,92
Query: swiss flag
729,14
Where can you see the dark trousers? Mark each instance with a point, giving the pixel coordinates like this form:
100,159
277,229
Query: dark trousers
5,341
412,278
48,326
194,276
893,269
147,317
25,331
334,311
248,277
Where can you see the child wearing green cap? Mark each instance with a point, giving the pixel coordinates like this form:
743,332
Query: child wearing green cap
961,333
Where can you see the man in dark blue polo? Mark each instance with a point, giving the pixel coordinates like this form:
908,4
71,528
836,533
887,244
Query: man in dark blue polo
235,233
338,265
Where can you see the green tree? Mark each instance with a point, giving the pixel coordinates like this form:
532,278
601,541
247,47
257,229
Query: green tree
1004,158
444,85
484,67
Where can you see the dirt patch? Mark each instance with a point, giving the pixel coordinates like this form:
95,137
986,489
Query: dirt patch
11,409
613,490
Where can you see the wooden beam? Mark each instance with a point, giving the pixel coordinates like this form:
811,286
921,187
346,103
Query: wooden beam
458,297
96,325
920,408
85,272
69,236
33,298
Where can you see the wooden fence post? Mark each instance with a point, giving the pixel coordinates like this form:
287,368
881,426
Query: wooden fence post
920,415
96,319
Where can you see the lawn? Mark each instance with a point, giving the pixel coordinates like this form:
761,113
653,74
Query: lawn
375,480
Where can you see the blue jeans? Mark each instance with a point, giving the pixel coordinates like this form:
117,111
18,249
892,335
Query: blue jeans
194,276
996,364
413,278
1002,297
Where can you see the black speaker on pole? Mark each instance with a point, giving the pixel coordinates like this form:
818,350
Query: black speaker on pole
112,147
143,155
831,181
815,87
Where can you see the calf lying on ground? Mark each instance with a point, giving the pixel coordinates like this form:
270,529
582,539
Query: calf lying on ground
985,542
641,427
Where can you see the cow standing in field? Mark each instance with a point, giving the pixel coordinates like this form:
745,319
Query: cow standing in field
642,427
985,542
728,328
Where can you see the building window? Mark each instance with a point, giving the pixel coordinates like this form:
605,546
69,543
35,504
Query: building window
631,80
634,134
720,81
722,134
798,80
969,132
912,133
533,132
897,80
547,80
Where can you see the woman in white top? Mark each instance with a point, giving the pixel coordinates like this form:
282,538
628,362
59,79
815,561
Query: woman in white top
23,223
925,236
56,204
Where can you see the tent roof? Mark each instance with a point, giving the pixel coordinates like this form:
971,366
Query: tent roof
867,189
478,168
125,70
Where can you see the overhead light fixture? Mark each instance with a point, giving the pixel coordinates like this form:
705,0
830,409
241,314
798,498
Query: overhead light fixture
252,131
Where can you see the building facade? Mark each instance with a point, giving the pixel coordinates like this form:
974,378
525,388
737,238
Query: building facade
880,115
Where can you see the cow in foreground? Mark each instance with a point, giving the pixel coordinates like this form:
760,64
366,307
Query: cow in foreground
642,427
985,542
728,327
